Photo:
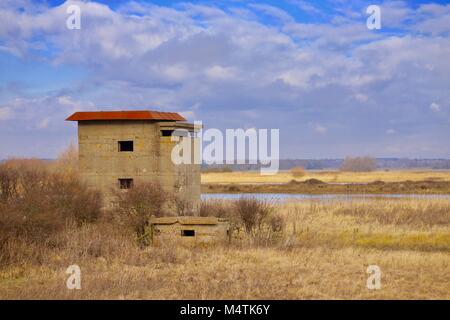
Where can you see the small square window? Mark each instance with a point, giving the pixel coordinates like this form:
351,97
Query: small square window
126,146
188,233
166,133
126,183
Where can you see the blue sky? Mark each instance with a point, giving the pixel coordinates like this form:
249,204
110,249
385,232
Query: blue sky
310,68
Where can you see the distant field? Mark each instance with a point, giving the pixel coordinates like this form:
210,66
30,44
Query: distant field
254,177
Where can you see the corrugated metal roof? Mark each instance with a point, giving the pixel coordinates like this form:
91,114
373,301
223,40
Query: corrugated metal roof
187,220
125,115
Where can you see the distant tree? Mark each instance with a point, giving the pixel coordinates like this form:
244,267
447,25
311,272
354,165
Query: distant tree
359,164
298,172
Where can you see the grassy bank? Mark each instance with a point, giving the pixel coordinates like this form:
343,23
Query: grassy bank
314,186
331,182
254,177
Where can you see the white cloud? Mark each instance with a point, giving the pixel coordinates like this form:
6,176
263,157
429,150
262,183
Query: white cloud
320,129
219,72
391,131
435,107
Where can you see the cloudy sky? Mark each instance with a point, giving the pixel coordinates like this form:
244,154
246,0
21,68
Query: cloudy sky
312,69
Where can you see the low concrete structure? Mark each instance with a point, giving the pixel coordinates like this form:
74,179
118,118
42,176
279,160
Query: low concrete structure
189,231
117,149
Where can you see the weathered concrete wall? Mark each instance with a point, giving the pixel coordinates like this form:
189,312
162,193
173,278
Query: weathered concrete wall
102,165
165,234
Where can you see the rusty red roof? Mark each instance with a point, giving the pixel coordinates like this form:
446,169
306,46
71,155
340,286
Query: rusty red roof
125,115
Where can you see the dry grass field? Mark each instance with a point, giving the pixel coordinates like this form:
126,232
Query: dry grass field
254,177
322,251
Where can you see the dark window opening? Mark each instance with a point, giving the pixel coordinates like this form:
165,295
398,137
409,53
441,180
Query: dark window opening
166,133
126,146
126,183
188,233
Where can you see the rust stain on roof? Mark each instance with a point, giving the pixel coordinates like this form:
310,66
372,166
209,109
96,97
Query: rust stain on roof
187,220
125,115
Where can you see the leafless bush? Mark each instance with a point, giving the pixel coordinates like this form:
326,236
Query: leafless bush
277,222
252,213
215,208
67,161
359,164
181,205
298,172
135,206
41,205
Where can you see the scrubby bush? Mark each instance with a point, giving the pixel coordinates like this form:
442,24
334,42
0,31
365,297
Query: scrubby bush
277,223
36,204
215,208
359,164
298,172
252,212
134,207
67,160
181,205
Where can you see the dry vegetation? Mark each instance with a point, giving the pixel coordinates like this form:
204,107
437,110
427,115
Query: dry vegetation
359,164
339,182
298,172
329,176
282,250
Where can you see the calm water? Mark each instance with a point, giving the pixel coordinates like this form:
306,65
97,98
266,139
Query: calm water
287,196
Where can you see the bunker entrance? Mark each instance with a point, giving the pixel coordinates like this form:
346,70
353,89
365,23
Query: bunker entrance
188,233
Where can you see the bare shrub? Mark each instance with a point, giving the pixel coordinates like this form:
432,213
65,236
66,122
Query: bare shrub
252,213
43,204
359,164
67,161
277,223
298,172
135,206
181,205
101,239
215,208
24,164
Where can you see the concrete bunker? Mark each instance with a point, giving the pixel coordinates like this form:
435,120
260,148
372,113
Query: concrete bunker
190,231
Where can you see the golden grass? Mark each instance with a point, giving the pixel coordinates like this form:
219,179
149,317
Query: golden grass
249,273
323,253
254,177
